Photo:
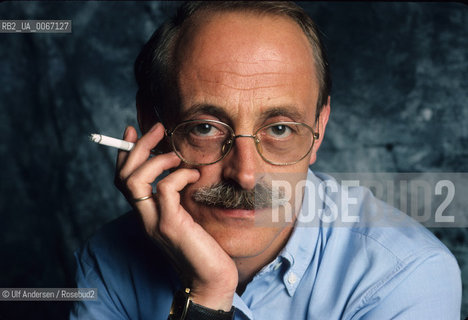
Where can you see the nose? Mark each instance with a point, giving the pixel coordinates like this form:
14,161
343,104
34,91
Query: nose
242,164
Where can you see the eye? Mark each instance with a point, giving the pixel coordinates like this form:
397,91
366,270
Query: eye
279,131
204,130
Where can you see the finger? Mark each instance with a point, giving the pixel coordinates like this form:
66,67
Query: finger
130,135
172,217
167,198
151,214
176,227
139,182
148,172
168,189
142,150
139,185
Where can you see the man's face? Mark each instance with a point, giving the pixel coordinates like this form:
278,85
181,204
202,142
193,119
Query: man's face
238,68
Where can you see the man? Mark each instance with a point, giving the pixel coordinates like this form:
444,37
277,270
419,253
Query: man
236,94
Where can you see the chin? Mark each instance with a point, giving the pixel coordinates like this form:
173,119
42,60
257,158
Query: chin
238,231
245,243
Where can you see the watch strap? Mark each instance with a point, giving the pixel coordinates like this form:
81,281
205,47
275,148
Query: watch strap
199,312
185,309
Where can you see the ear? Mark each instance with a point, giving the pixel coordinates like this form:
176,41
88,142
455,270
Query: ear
320,128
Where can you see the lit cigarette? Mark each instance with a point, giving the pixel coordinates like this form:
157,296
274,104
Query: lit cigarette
111,142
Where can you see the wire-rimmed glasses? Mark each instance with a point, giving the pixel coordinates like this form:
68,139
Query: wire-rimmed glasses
204,141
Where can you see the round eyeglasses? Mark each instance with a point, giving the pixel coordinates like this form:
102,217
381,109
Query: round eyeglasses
204,142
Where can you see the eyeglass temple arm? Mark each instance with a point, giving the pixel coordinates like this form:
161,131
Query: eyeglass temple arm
166,132
316,135
158,116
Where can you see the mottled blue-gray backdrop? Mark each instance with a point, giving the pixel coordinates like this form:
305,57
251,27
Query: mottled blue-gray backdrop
399,103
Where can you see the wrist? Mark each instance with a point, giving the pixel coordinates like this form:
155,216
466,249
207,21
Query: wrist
183,308
218,296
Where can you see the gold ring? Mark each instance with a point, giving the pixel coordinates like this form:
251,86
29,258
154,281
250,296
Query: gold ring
142,198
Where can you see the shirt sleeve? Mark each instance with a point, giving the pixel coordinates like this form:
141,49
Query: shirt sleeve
431,291
88,275
133,278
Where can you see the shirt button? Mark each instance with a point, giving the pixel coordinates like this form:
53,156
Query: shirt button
292,278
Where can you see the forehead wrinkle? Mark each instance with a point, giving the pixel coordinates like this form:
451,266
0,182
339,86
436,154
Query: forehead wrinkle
243,89
250,62
257,34
245,82
257,46
249,75
242,68
234,64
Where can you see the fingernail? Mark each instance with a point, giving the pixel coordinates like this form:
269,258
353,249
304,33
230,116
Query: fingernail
125,132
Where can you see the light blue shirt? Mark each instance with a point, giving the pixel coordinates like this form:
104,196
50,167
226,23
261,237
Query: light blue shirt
326,271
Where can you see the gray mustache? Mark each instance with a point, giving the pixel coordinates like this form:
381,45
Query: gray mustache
229,195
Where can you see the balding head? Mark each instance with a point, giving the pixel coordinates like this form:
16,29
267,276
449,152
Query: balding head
157,65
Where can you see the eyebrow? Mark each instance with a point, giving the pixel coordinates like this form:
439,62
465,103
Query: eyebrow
207,109
286,111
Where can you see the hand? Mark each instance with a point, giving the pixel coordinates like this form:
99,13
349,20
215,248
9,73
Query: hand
211,274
